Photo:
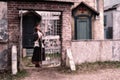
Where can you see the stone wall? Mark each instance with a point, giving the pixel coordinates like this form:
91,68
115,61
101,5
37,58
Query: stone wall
3,21
96,50
3,36
3,56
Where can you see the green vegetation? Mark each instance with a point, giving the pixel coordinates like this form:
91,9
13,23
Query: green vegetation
88,67
53,55
8,76
27,62
20,75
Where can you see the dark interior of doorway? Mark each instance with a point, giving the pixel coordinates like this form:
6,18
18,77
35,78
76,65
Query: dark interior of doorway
29,21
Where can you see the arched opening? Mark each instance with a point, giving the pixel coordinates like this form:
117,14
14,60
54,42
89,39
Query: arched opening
50,22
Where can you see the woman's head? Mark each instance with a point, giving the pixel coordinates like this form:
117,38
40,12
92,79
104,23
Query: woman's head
37,27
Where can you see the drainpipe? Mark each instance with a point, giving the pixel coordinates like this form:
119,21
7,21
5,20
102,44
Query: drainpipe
20,41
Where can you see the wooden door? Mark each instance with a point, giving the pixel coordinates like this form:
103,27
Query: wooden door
82,30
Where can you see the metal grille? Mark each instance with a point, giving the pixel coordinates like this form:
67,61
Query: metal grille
50,26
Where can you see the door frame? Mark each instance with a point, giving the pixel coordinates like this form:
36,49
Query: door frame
21,35
75,24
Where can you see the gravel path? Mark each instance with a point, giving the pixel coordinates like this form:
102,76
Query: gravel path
52,74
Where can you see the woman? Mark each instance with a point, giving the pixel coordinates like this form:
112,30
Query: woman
37,53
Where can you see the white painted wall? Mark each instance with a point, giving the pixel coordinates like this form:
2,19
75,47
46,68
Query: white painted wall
116,25
118,7
96,50
110,2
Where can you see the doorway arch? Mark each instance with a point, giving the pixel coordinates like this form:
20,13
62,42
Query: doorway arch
50,26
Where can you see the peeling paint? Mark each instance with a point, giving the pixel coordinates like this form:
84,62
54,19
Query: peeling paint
3,36
3,22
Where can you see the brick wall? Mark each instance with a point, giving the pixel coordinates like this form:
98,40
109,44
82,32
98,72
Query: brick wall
14,21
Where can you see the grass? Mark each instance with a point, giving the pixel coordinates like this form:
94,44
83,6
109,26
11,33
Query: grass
98,65
53,55
82,68
89,67
27,62
9,76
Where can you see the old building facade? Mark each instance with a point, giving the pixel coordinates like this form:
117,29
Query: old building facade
82,30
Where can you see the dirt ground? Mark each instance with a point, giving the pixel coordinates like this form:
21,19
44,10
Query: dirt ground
54,74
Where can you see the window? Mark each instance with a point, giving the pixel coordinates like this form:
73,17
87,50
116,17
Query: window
82,28
105,20
109,33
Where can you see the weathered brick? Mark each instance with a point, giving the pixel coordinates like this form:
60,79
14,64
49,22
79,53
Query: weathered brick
14,21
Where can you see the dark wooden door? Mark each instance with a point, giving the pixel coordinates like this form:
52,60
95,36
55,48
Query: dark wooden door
29,22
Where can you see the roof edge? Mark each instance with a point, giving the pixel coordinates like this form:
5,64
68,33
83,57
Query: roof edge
83,3
65,2
110,9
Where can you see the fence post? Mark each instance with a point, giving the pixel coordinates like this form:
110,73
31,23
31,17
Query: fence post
14,60
69,60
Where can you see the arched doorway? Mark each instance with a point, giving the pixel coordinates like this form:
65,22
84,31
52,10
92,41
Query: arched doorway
50,25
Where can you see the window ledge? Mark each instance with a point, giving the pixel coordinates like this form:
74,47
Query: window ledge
95,40
3,41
